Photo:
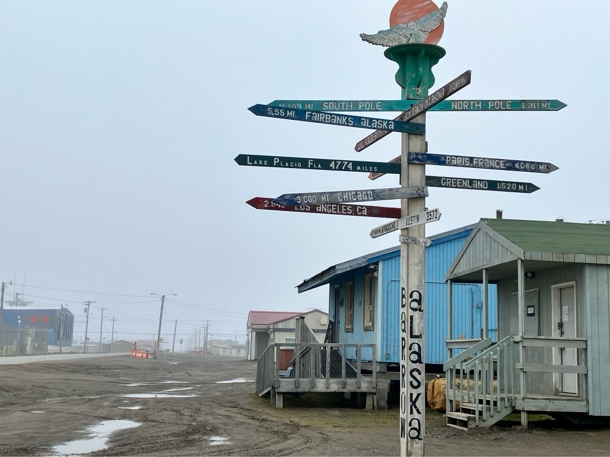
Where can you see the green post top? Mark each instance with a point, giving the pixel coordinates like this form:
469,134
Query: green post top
415,62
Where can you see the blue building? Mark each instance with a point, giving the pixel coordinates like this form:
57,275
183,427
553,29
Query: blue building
35,331
364,301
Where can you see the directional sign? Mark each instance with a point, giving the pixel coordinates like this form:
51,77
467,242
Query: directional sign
448,89
346,196
304,163
425,242
424,217
321,117
327,208
376,174
481,162
481,184
403,105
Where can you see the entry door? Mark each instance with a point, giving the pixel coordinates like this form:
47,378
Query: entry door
565,318
336,323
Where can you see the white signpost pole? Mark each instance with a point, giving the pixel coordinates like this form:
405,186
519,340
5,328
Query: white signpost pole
412,368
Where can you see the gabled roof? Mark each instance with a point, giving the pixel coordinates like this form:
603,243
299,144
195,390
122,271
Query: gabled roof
496,244
269,317
324,277
273,317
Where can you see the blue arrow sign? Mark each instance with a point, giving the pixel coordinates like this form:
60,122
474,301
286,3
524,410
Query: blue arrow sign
345,120
486,163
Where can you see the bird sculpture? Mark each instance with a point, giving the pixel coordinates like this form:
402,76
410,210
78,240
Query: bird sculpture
413,32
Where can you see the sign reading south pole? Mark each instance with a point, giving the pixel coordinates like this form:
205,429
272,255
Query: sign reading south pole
403,105
345,120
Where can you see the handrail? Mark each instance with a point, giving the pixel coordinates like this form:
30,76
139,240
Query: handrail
468,353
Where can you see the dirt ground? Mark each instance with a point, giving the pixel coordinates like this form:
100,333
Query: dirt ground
192,410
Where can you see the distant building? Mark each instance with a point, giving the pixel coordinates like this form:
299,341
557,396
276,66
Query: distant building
26,330
226,347
267,327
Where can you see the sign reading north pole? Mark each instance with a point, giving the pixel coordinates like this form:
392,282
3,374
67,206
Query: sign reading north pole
403,105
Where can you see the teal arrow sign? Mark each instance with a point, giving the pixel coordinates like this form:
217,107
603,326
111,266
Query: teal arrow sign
338,119
403,105
305,163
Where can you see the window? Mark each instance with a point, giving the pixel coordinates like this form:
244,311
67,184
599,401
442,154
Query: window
370,292
349,306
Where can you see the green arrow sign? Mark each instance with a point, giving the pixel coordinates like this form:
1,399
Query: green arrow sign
304,163
403,105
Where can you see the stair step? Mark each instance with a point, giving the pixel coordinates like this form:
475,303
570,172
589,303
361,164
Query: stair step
459,420
457,426
467,407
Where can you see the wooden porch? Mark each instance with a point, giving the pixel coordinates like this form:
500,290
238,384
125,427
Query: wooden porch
486,382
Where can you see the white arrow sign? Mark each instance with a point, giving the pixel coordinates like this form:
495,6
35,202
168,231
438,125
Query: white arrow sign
431,215
425,242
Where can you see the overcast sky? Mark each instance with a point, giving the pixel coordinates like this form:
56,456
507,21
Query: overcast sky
120,122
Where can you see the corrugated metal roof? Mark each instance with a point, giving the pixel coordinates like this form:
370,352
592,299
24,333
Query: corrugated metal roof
554,237
270,317
324,277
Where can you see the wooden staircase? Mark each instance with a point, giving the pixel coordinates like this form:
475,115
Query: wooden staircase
480,384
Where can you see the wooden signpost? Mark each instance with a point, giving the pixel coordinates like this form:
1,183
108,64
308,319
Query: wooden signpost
431,215
345,120
347,196
305,163
415,60
403,105
447,90
327,208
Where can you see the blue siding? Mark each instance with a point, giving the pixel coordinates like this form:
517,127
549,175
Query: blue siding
467,301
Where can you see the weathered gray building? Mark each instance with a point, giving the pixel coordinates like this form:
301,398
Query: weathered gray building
553,298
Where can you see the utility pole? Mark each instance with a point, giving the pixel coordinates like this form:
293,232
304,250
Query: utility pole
112,337
205,338
101,327
160,322
174,341
60,331
88,303
2,308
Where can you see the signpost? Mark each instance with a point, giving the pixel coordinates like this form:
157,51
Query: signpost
448,89
327,208
486,163
424,217
481,184
304,163
403,105
415,56
345,120
346,196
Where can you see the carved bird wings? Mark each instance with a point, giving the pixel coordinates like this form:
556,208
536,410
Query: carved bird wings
412,32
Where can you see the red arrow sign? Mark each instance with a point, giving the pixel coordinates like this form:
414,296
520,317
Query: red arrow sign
327,208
